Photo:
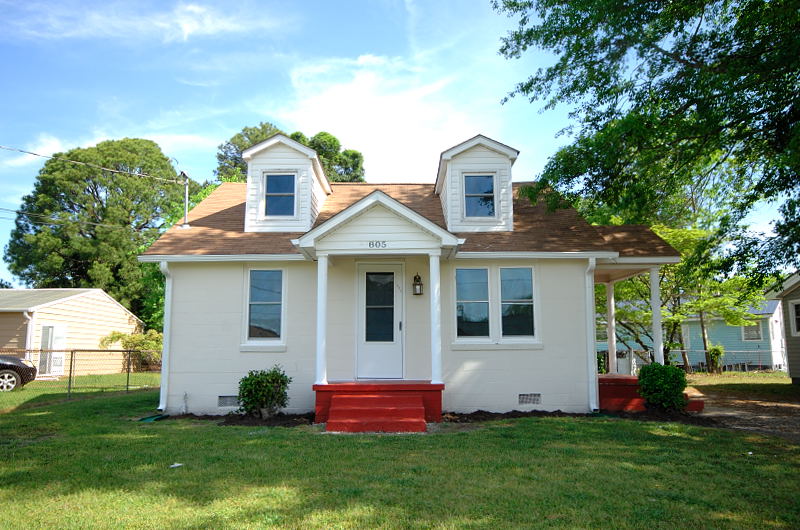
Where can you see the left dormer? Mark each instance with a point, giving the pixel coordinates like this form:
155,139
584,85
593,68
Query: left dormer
286,186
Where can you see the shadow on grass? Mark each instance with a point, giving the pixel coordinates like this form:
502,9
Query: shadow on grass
521,472
767,391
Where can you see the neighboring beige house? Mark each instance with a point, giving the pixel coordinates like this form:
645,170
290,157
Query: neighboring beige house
790,300
459,293
62,320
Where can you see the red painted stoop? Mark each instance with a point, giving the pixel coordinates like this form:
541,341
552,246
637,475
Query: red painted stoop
378,407
621,392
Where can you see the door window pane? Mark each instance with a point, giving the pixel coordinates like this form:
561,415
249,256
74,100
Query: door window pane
264,316
379,307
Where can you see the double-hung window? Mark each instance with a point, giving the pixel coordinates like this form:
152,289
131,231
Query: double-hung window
265,309
479,196
279,195
752,332
495,303
794,316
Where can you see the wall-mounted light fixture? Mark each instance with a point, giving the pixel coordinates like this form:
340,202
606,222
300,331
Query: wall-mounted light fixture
417,284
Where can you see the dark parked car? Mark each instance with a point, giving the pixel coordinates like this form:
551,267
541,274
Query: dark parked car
15,372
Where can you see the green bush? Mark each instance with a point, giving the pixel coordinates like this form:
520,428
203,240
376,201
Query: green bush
715,354
662,386
264,392
145,347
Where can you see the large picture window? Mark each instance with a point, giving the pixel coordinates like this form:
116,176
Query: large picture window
265,304
472,302
495,303
279,195
478,195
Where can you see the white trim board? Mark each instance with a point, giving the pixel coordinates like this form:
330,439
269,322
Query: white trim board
176,258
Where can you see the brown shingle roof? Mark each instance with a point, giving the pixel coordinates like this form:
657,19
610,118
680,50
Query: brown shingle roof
635,241
217,226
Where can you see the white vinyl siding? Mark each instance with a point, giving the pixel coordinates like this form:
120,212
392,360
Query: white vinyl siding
478,160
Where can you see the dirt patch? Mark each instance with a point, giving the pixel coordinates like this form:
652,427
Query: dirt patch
242,420
763,416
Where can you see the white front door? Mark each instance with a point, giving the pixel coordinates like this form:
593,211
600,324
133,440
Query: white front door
380,326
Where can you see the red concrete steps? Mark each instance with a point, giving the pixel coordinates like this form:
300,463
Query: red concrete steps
621,393
376,413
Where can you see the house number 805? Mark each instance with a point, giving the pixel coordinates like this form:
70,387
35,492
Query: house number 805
377,244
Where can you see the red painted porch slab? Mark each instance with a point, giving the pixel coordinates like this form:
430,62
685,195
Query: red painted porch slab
621,392
430,393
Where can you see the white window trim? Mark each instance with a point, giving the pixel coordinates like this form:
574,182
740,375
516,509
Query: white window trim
262,200
249,344
496,340
760,333
794,310
463,198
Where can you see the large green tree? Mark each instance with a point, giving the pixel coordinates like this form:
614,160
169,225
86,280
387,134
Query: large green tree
340,165
4,285
83,227
673,100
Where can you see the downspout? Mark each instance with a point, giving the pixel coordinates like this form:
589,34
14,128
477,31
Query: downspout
164,267
28,333
591,355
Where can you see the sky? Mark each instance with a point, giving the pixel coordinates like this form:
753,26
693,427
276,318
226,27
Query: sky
400,81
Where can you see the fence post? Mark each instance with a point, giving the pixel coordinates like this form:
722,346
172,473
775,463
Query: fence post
128,379
71,370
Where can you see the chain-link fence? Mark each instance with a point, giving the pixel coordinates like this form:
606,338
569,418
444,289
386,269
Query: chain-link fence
71,372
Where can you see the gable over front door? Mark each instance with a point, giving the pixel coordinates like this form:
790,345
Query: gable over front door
379,336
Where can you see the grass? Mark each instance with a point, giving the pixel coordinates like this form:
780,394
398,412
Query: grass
38,393
756,385
87,464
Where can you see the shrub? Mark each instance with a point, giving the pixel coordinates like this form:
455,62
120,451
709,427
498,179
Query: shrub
715,354
264,391
663,386
145,347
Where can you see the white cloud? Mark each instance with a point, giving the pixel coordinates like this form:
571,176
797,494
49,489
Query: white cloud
45,144
393,110
128,21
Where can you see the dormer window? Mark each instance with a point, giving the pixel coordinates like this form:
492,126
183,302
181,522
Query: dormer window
479,196
279,195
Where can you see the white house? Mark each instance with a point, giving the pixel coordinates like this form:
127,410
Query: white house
457,294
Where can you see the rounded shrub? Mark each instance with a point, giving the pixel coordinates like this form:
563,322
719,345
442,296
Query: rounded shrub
662,386
715,354
264,392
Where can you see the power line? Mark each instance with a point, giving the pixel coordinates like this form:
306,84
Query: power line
49,220
87,164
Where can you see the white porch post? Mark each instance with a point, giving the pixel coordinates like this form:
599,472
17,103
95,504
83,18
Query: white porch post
655,307
322,321
611,328
436,318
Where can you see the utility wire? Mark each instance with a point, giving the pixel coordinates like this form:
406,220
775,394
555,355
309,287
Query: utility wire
87,164
49,220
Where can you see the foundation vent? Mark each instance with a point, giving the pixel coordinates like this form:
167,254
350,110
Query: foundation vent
227,401
530,399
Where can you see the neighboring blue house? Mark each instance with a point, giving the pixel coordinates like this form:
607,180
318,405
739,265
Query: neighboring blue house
760,346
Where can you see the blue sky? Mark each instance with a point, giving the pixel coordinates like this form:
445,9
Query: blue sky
398,81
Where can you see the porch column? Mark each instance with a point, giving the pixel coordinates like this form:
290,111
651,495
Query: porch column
322,321
611,328
655,307
436,318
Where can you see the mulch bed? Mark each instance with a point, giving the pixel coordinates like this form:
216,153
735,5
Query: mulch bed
648,415
243,420
296,420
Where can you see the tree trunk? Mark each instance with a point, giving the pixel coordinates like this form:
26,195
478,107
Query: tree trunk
687,366
704,333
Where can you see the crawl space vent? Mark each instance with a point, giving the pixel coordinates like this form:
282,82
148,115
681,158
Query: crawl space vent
227,401
530,399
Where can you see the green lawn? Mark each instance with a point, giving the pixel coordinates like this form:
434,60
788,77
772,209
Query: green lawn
757,385
38,393
88,464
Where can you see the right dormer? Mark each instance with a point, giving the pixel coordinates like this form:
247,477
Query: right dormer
474,185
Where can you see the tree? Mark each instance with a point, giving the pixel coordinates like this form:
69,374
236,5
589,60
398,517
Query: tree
5,285
670,99
84,227
339,166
